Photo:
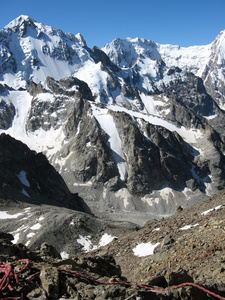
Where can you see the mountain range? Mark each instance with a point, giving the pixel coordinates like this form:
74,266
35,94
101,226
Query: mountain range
135,128
112,164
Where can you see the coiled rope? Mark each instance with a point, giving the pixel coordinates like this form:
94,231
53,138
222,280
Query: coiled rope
9,275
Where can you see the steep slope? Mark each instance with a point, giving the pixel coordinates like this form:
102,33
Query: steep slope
36,205
136,127
27,176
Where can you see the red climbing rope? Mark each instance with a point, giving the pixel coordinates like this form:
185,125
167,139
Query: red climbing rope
178,286
9,275
144,286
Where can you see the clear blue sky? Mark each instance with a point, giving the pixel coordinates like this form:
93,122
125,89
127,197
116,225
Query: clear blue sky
180,22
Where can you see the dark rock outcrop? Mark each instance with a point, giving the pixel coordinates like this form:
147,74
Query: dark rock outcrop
7,113
27,176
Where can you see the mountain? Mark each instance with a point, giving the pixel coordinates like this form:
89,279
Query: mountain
136,128
36,205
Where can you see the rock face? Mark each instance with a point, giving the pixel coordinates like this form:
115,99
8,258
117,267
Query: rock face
27,176
133,127
7,114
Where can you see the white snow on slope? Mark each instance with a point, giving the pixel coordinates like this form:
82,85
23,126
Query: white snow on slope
22,101
40,140
189,135
23,178
124,52
186,227
195,58
23,228
105,239
25,193
87,244
204,213
6,215
49,52
36,226
145,249
107,124
64,255
94,76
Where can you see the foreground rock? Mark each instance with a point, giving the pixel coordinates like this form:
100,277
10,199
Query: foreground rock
189,248
84,277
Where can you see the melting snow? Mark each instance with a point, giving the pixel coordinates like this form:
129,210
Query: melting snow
144,249
186,227
209,210
156,229
106,239
88,245
30,235
85,242
64,255
16,238
5,215
36,226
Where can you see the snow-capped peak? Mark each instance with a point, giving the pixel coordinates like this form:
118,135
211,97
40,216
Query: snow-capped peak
32,51
19,21
124,52
81,39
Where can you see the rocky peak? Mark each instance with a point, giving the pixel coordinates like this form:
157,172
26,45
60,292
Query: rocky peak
18,22
124,52
81,39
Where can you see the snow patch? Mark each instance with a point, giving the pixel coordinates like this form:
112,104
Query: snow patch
35,226
156,229
23,178
16,238
30,235
5,215
64,255
145,249
25,193
27,243
125,195
107,124
87,244
204,213
186,227
106,239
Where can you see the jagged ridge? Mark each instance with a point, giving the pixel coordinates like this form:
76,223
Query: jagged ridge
136,126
